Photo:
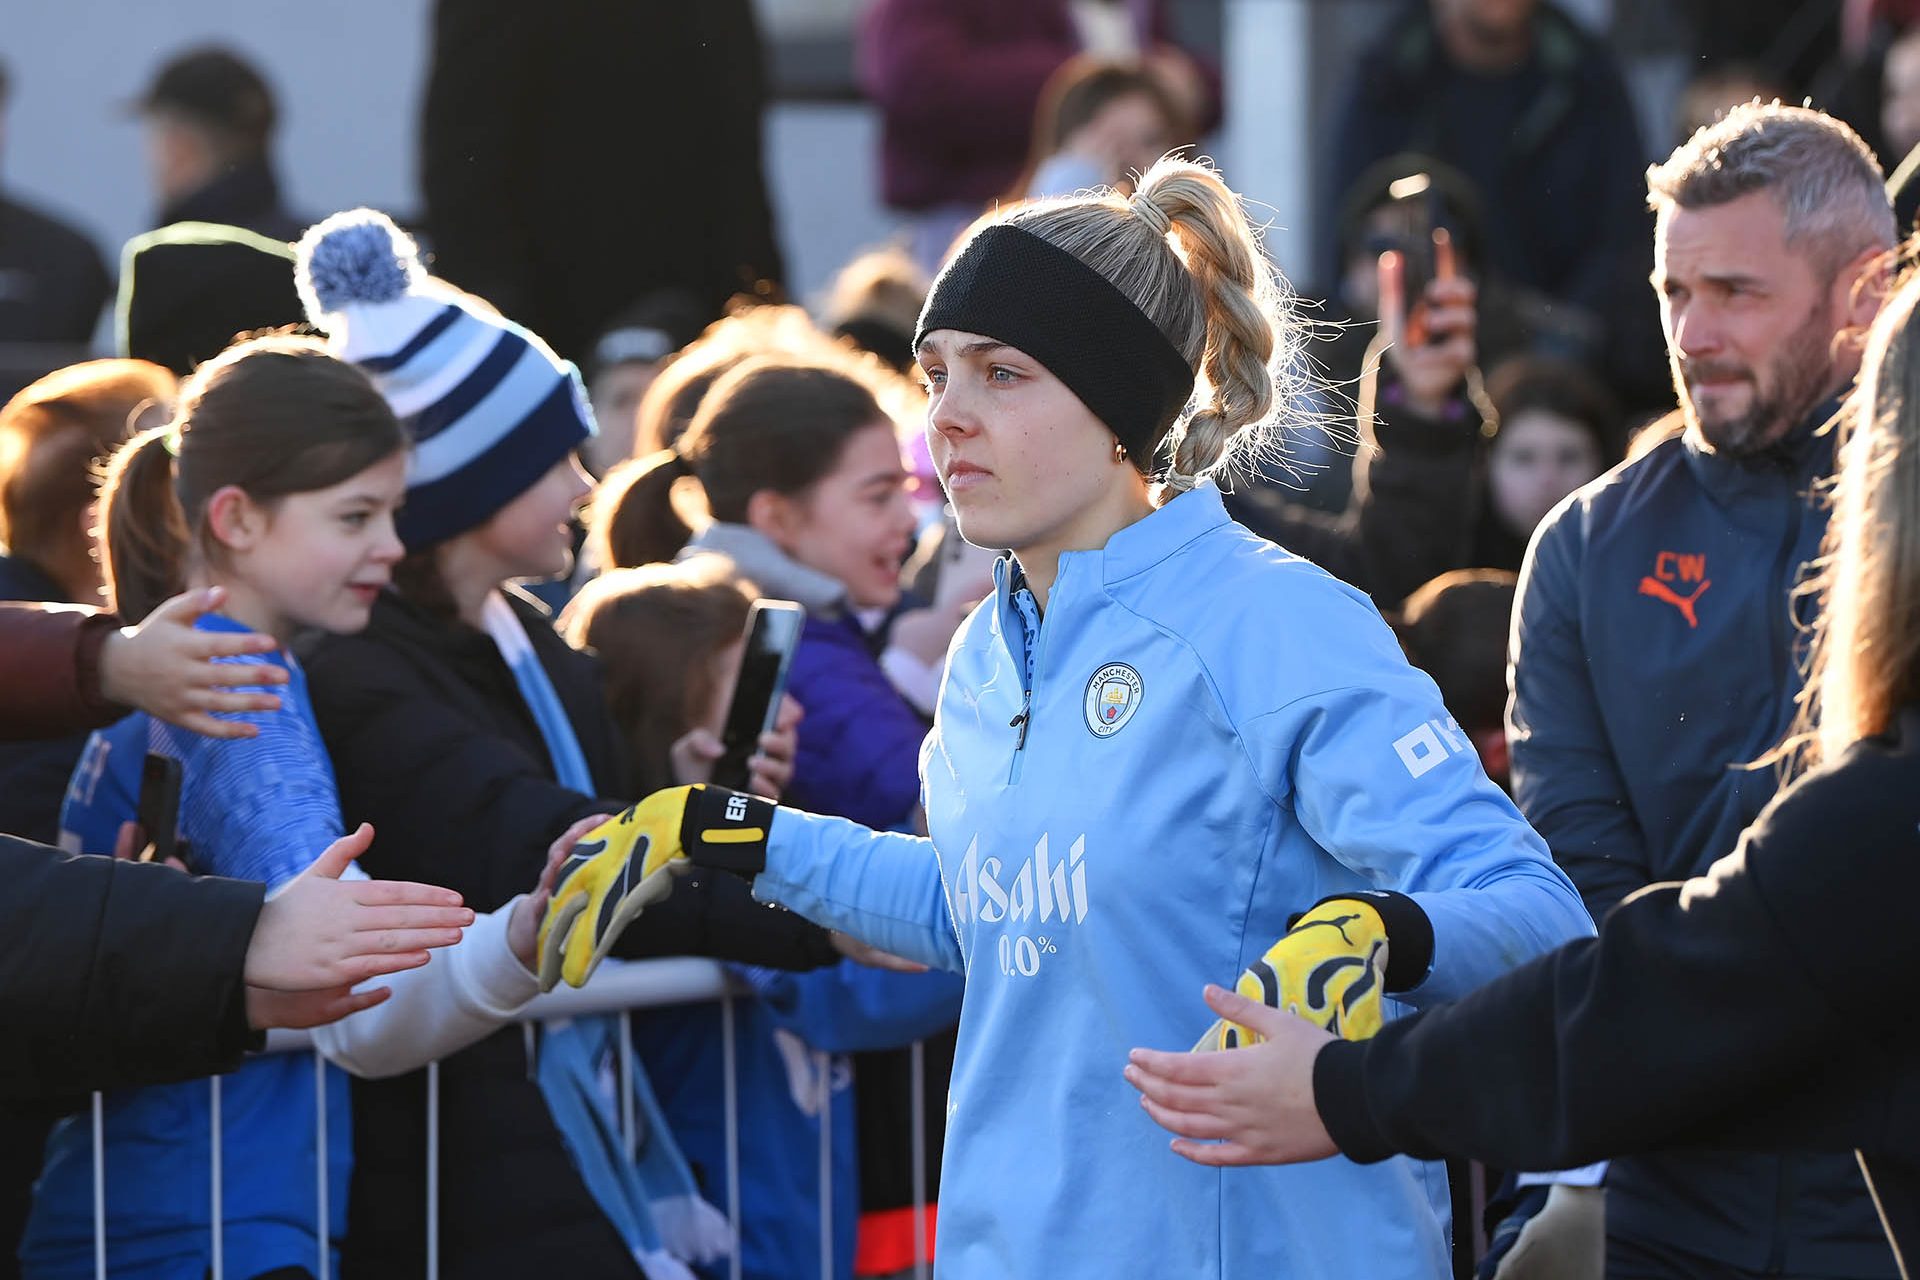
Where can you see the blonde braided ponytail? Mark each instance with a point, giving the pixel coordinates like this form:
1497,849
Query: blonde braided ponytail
1181,247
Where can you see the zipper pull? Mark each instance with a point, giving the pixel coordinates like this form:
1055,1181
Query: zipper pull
1020,722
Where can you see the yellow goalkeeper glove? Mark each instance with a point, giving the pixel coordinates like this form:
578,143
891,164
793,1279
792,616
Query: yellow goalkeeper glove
629,862
1329,968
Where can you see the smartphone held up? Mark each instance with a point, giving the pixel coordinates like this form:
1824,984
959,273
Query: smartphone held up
773,632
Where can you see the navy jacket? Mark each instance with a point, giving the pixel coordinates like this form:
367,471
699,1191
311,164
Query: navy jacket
1655,650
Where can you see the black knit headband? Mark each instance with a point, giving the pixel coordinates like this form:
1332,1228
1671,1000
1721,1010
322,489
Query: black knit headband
1010,285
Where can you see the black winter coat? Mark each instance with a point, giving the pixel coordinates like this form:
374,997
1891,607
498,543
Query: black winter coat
1756,1006
531,118
118,973
432,744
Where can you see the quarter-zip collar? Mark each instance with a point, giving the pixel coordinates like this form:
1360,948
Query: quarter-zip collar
1130,552
1803,456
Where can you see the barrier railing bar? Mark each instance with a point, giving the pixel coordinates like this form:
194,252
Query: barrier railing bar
219,1205
99,1188
730,1088
324,1221
433,1171
917,1112
627,1134
823,1072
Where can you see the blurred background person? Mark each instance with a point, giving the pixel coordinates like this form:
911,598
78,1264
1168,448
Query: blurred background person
874,302
624,361
1532,109
188,289
957,86
54,437
547,134
1100,120
1555,428
209,118
52,280
1715,91
1454,628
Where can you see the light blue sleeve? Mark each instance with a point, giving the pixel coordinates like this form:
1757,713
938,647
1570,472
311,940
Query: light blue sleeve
1383,779
850,1008
879,886
258,808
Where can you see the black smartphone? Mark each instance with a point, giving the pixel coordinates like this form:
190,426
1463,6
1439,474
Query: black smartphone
1416,195
773,631
160,808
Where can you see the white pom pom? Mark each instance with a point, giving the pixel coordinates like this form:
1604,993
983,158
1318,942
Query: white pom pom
358,256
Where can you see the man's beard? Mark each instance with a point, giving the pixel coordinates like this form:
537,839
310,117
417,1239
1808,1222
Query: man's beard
1797,378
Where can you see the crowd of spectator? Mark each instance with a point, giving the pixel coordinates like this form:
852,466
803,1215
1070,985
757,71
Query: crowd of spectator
460,544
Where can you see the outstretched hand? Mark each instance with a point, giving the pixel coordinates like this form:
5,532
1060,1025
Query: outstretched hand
1239,1106
523,927
769,769
298,1010
873,957
320,932
167,668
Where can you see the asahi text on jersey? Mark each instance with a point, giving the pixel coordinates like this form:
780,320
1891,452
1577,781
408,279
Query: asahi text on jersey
1044,891
1039,890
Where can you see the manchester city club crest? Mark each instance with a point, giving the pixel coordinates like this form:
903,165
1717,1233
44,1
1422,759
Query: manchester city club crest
1113,695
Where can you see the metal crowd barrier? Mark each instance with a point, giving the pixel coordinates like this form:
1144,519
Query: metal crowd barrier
619,987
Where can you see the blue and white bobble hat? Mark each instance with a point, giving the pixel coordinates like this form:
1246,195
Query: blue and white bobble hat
489,407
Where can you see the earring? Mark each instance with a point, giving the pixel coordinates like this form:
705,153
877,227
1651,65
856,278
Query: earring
1119,450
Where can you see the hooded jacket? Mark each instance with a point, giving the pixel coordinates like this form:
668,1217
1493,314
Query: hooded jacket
1656,651
1128,799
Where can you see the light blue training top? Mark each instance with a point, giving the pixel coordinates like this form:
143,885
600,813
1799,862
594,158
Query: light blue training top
1128,798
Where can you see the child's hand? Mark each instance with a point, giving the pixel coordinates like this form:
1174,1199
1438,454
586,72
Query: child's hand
1239,1106
299,1010
523,927
771,769
872,957
166,668
320,932
692,755
926,633
131,839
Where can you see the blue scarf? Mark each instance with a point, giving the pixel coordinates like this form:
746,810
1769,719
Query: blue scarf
650,1195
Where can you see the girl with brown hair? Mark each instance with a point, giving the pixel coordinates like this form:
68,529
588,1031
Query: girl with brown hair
275,481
